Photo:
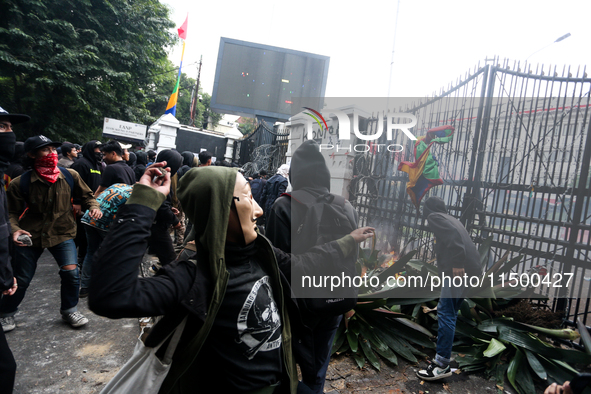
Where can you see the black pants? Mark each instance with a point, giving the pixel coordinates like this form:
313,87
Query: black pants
80,240
161,244
7,366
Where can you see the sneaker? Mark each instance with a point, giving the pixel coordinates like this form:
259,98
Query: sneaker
7,323
434,372
83,292
75,319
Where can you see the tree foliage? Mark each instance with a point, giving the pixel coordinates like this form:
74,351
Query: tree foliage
68,64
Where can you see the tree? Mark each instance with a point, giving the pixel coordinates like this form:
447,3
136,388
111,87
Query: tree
246,125
68,64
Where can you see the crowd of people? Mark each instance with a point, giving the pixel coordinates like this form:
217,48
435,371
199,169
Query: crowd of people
98,208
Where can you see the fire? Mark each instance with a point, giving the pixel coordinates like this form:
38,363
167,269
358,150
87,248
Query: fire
388,263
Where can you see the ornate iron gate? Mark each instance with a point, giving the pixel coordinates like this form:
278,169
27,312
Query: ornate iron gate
517,169
263,149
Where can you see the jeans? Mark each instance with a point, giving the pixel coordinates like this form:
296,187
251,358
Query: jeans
323,333
447,314
94,238
24,265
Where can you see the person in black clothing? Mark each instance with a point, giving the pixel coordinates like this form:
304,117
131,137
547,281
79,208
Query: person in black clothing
140,166
160,241
89,168
237,336
275,186
132,160
151,157
117,170
8,284
16,167
188,163
205,158
309,173
89,165
257,185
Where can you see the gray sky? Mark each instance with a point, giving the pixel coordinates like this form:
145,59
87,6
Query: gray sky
436,41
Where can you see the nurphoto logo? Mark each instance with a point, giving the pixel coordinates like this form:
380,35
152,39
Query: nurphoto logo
344,130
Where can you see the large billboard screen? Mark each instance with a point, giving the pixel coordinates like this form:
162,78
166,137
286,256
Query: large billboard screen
255,79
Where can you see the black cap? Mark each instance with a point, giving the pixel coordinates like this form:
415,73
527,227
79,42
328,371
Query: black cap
39,141
13,118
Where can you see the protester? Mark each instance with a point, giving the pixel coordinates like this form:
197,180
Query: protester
188,163
151,157
275,186
89,168
132,160
89,165
95,229
125,152
16,164
140,166
69,156
205,158
160,242
309,174
8,283
257,185
46,191
117,170
456,256
237,337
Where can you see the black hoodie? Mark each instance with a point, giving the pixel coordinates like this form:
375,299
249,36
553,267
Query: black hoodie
89,167
308,171
140,167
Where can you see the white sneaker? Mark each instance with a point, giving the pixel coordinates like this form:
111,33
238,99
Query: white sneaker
7,323
75,319
434,372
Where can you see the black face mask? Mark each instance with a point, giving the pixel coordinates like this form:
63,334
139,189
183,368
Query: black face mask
98,156
7,142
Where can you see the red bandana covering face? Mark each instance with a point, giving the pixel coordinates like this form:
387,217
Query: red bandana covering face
46,167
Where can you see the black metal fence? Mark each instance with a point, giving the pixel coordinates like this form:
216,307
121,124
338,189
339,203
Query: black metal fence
517,169
263,149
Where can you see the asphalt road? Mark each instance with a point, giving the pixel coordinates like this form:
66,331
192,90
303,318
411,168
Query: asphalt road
51,356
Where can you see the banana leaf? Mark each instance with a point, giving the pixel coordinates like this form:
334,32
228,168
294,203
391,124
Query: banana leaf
492,324
339,338
359,359
535,365
514,365
369,354
525,381
393,328
399,346
494,348
388,354
535,345
353,342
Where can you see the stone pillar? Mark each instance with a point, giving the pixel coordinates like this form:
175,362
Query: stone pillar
233,135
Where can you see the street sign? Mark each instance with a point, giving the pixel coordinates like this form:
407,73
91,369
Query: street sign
122,130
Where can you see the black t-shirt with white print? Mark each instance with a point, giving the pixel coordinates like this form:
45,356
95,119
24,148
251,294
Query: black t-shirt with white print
243,350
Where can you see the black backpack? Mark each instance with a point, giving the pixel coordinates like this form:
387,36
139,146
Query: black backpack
324,220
